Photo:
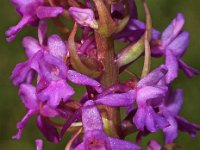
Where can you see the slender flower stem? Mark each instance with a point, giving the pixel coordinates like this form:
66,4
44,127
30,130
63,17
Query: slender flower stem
147,59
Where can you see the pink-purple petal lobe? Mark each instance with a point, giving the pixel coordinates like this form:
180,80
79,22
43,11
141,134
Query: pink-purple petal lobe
117,100
153,77
27,7
171,132
175,101
147,117
149,92
180,44
80,147
39,144
20,73
96,140
118,144
12,31
47,111
186,126
81,79
173,29
57,47
172,65
21,125
189,71
27,92
44,12
54,92
153,145
31,45
92,118
139,119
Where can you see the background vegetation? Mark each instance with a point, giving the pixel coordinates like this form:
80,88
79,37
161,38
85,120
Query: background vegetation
12,110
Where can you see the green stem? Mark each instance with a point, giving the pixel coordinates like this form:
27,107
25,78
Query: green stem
109,77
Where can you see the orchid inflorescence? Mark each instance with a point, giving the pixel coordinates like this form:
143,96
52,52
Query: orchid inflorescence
90,60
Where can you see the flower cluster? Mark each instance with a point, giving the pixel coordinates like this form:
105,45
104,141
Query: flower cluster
55,63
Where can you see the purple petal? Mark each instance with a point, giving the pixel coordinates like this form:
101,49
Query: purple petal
27,92
12,31
134,30
155,121
117,100
57,47
31,45
189,71
146,116
170,132
96,139
80,147
42,32
180,44
153,77
20,73
153,145
57,66
173,29
47,111
44,12
174,102
48,130
39,144
84,17
139,119
186,126
172,65
91,117
54,92
21,125
117,144
81,79
141,25
27,7
148,93
49,66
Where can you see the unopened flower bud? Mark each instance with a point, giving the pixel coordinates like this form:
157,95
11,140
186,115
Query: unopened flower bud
84,17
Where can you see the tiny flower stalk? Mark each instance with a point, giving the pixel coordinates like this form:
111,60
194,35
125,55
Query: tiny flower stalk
75,60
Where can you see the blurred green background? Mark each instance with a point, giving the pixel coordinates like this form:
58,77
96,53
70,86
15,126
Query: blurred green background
12,110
